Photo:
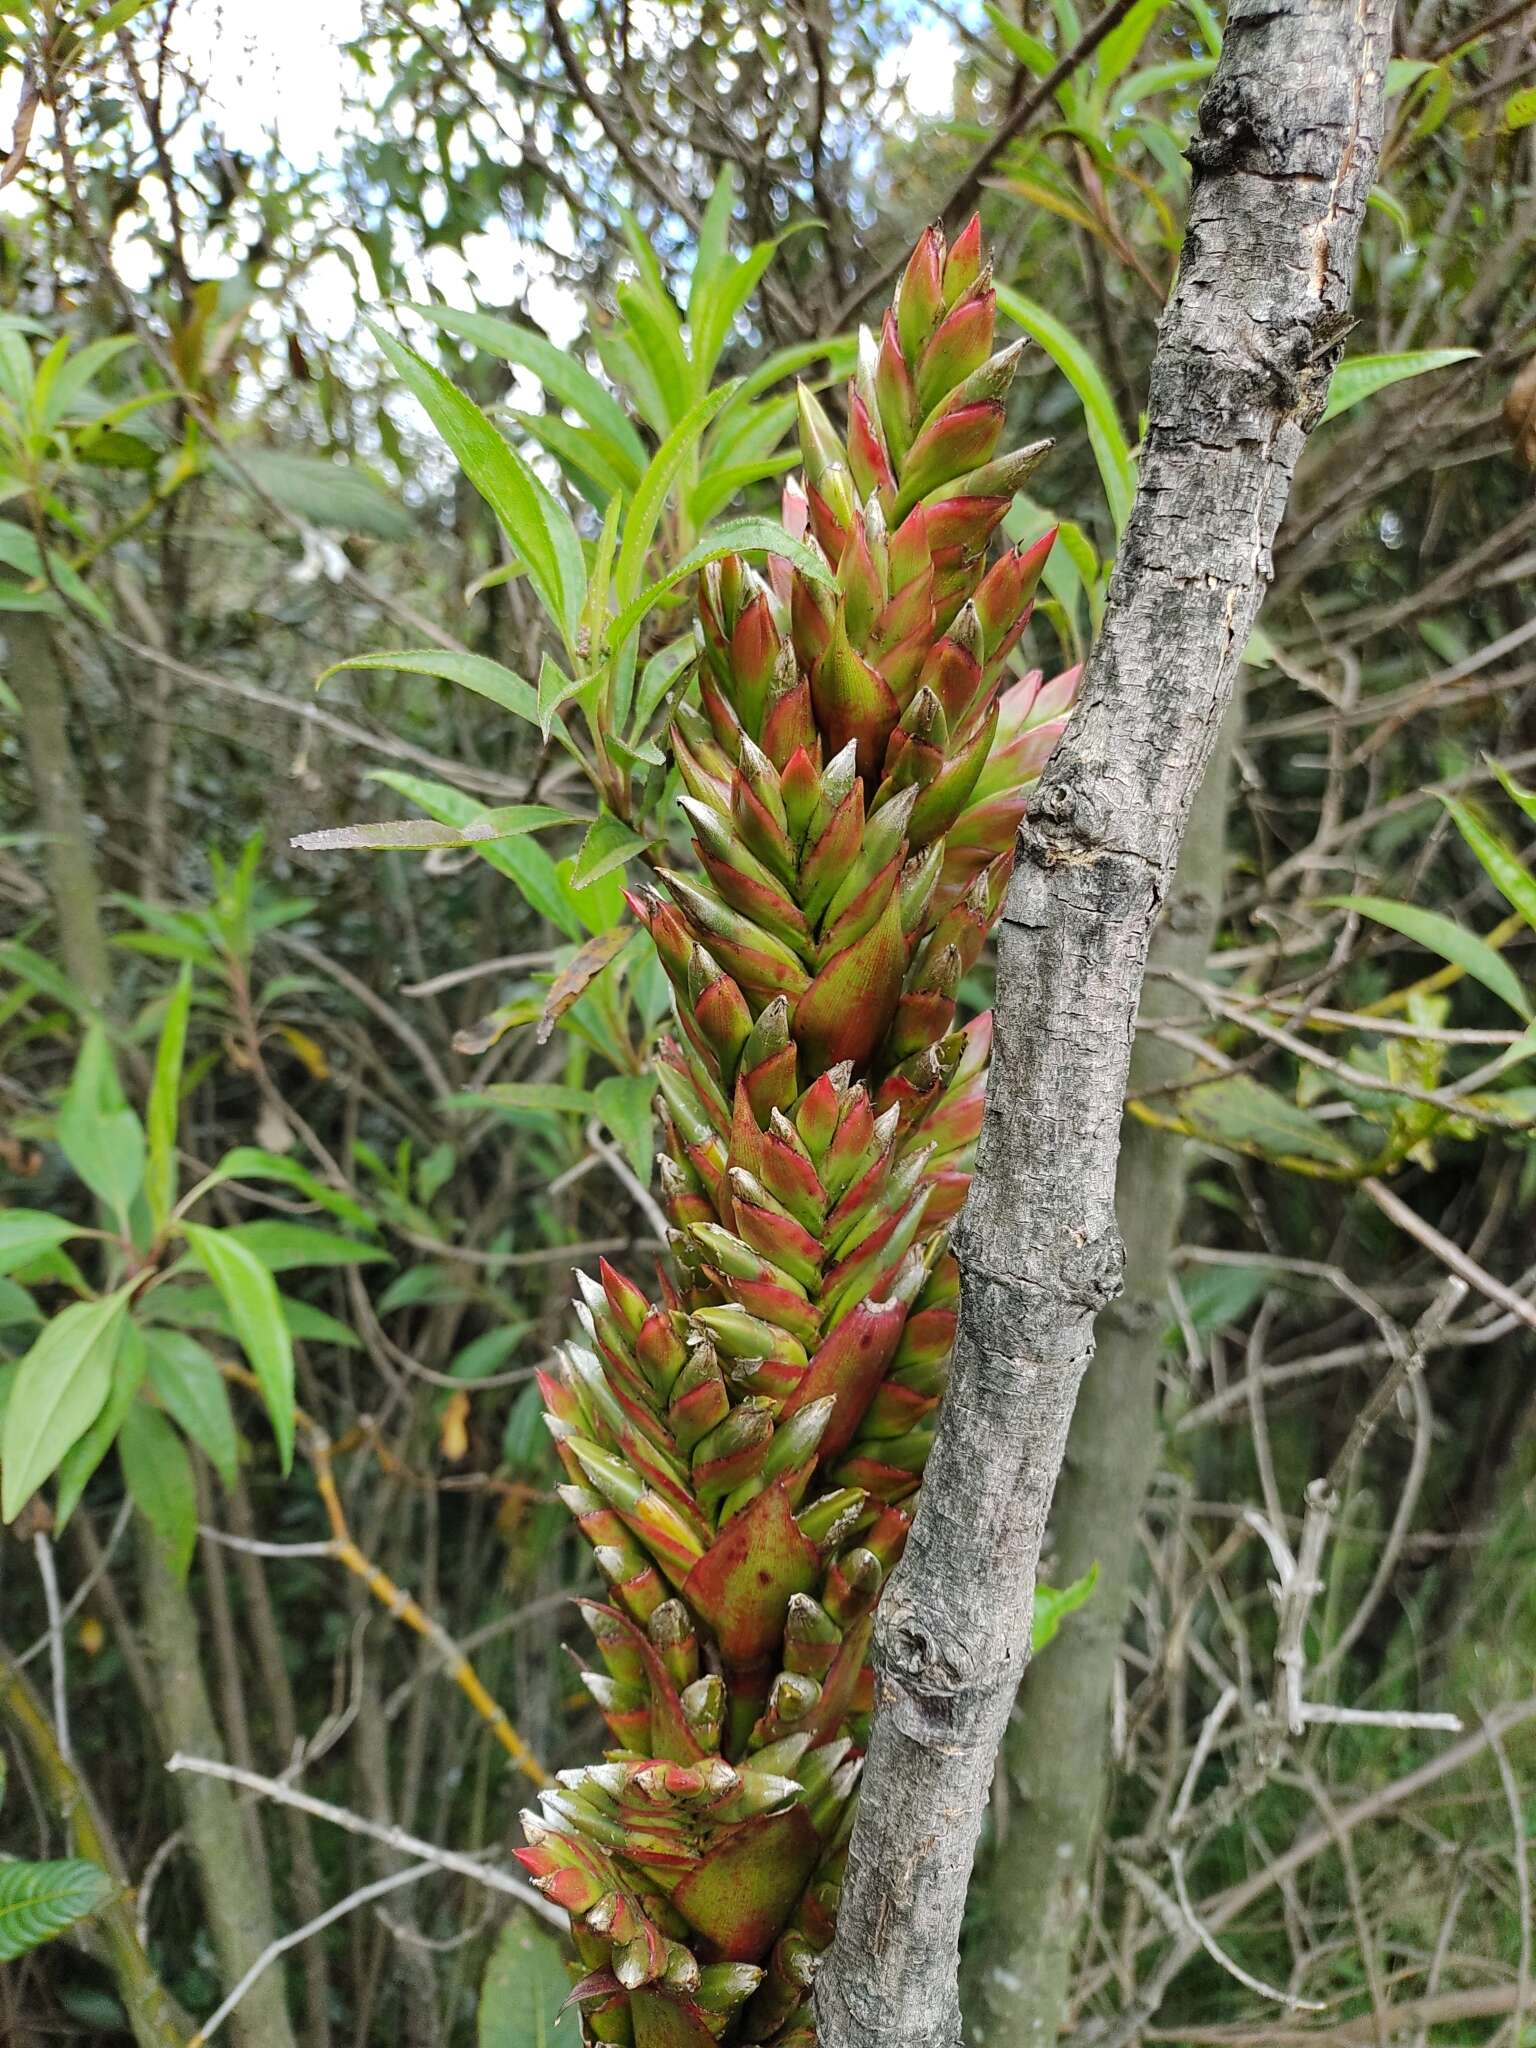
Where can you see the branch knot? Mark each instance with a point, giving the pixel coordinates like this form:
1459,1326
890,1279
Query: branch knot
1066,824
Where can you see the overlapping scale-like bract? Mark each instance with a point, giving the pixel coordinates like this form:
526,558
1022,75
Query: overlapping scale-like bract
742,1452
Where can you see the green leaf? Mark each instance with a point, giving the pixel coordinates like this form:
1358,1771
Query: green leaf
537,526
82,1458
736,537
203,1308
39,1900
340,496
598,902
1117,473
1443,935
1241,1112
624,1104
1405,71
41,974
1037,57
117,16
524,1990
58,1393
165,1102
186,1376
249,1162
1499,861
1524,798
712,257
19,550
725,298
1386,201
657,678
655,337
283,1246
527,1095
1216,1297
1363,376
651,496
99,1134
1260,651
17,1307
424,1282
555,688
585,457
521,860
25,1234
413,834
1121,47
489,1353
556,369
250,1294
1053,1605
159,1475
1520,109
475,672
607,846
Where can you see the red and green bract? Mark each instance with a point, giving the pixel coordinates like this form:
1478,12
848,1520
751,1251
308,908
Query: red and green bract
743,1452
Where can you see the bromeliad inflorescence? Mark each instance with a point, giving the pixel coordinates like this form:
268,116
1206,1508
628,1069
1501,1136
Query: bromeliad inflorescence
742,1452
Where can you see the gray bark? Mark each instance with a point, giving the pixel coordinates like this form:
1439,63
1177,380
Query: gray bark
1056,1751
236,1899
1285,156
32,671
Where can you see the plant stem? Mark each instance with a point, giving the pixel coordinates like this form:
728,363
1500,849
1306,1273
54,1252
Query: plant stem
152,2013
1289,132
1015,1980
32,671
238,1905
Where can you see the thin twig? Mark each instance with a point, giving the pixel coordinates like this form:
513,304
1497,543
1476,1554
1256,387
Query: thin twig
1450,1255
965,189
43,1550
1516,1803
277,1789
394,1882
86,1587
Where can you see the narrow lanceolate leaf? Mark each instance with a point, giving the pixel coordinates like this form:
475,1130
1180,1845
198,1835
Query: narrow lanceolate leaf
475,672
1117,472
26,1234
249,1294
736,537
159,1475
608,845
1363,376
40,1900
655,485
165,1102
412,834
99,1134
185,1376
1442,935
281,1246
1240,1112
1499,862
537,525
58,1393
560,372
81,1460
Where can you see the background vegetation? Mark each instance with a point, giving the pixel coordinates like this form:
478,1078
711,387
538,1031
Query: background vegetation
330,1126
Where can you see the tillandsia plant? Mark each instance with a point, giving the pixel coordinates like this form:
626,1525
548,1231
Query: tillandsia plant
742,1452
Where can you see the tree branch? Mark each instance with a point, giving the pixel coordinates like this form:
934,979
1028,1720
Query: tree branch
1289,135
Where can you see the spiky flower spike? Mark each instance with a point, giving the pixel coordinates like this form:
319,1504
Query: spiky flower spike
742,1453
